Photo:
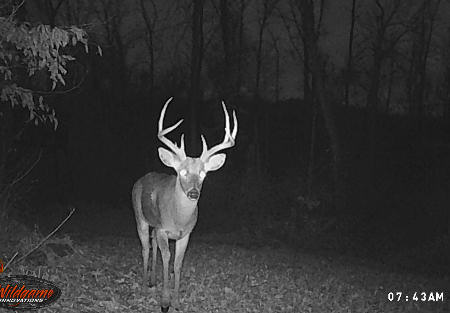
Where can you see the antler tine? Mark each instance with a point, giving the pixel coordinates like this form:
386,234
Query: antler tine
179,151
182,142
235,125
227,121
235,122
205,146
228,139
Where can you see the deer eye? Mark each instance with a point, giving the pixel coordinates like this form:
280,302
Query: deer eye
202,174
183,172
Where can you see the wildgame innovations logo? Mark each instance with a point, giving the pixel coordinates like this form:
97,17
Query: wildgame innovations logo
23,292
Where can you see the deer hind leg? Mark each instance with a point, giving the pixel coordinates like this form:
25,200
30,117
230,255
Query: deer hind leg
154,255
143,233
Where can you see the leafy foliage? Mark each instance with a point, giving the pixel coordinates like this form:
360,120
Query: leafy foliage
25,51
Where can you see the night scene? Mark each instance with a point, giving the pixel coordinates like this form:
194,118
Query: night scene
225,156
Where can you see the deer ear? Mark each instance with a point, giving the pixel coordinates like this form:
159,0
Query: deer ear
215,162
168,158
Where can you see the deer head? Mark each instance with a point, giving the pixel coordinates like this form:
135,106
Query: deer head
192,171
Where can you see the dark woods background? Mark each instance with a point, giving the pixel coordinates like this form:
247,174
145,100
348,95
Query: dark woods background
343,110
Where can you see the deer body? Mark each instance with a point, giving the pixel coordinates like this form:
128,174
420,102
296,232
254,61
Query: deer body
168,203
156,205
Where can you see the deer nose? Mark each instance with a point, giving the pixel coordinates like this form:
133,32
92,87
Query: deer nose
193,194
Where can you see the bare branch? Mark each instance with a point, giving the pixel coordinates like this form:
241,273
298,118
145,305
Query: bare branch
42,241
23,175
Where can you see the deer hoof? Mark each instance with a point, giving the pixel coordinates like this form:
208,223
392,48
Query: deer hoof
164,309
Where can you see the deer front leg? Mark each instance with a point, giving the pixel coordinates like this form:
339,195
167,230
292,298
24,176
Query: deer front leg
163,244
142,229
180,249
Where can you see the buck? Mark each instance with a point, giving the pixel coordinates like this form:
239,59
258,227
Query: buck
168,203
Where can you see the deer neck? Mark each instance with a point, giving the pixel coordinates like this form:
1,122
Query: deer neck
185,208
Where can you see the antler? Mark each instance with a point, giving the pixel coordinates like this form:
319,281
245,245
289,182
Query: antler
179,151
228,140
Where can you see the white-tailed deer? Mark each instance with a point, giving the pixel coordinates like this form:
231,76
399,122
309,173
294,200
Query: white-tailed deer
168,203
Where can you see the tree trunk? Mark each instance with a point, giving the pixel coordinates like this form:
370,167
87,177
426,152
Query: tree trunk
262,26
371,114
122,78
374,87
226,83
312,157
196,68
390,82
420,58
350,53
330,125
307,89
319,92
277,71
258,104
149,42
241,46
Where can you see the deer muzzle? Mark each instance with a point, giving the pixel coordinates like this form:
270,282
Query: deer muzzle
193,194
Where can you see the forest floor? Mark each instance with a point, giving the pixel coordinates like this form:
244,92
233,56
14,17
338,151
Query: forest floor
105,275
